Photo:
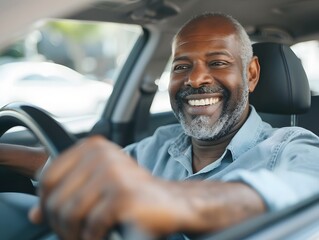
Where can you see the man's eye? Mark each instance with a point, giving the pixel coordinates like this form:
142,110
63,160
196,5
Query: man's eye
217,63
181,68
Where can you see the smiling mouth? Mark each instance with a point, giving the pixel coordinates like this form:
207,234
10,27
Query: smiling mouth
204,101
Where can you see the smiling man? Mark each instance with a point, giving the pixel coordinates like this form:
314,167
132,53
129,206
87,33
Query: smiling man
212,73
245,163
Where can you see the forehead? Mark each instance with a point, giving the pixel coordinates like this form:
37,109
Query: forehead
206,44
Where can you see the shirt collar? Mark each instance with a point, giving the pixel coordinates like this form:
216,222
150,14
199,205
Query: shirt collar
247,136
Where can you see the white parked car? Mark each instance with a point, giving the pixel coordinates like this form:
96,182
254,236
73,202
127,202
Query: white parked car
53,87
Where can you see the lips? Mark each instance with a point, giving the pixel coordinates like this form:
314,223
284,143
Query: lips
201,101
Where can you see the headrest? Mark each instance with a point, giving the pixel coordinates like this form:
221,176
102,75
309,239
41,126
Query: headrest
283,86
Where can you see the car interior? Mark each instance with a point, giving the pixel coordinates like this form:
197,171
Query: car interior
283,97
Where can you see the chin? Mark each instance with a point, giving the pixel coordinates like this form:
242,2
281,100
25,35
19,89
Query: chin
202,128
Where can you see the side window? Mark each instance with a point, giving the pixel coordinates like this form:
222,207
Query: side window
308,52
66,67
161,102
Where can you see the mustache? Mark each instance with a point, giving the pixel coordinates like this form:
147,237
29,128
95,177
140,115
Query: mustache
187,90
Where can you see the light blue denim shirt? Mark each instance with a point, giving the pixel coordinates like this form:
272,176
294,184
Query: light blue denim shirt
282,165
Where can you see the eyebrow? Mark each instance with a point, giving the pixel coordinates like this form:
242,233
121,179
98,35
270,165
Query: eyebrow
181,58
215,53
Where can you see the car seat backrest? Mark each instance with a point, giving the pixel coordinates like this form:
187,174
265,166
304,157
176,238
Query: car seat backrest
283,87
309,120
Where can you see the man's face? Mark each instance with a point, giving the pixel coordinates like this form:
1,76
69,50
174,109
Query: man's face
207,91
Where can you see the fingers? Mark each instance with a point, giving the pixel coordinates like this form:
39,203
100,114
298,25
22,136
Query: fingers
75,183
72,214
70,165
64,205
35,215
100,220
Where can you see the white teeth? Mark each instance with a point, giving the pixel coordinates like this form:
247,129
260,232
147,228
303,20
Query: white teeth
203,102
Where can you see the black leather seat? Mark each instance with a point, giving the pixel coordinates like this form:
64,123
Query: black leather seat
283,89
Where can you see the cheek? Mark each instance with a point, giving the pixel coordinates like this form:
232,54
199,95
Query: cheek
172,92
173,87
232,81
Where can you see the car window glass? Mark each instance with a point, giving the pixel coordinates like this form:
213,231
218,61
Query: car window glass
161,102
308,52
66,67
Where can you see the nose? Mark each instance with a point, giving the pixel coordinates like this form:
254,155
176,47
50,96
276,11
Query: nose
198,77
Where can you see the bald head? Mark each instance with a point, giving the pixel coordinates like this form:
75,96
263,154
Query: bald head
212,23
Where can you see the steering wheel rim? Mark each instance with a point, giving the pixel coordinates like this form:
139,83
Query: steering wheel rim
48,131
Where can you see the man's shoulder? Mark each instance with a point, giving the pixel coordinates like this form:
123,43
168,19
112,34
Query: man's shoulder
290,129
288,134
295,131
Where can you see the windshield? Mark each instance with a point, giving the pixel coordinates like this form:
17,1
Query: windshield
66,67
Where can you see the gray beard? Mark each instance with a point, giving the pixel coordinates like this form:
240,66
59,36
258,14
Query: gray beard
201,128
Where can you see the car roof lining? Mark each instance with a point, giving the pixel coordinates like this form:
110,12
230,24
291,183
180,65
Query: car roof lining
283,21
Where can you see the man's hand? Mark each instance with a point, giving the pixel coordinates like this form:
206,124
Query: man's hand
95,185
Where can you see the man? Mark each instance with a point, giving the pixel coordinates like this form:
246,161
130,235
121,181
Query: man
246,163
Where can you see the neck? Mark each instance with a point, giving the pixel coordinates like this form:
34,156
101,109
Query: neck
207,152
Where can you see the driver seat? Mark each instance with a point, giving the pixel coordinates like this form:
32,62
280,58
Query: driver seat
283,90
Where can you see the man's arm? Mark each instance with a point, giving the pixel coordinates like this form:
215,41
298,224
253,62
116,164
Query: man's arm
25,160
95,185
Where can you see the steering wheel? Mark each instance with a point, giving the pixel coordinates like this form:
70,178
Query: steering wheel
14,206
46,130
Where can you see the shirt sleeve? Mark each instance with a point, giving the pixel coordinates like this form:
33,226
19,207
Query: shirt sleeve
294,177
277,191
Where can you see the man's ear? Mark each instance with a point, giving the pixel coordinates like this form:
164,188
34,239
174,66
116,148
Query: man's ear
253,73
